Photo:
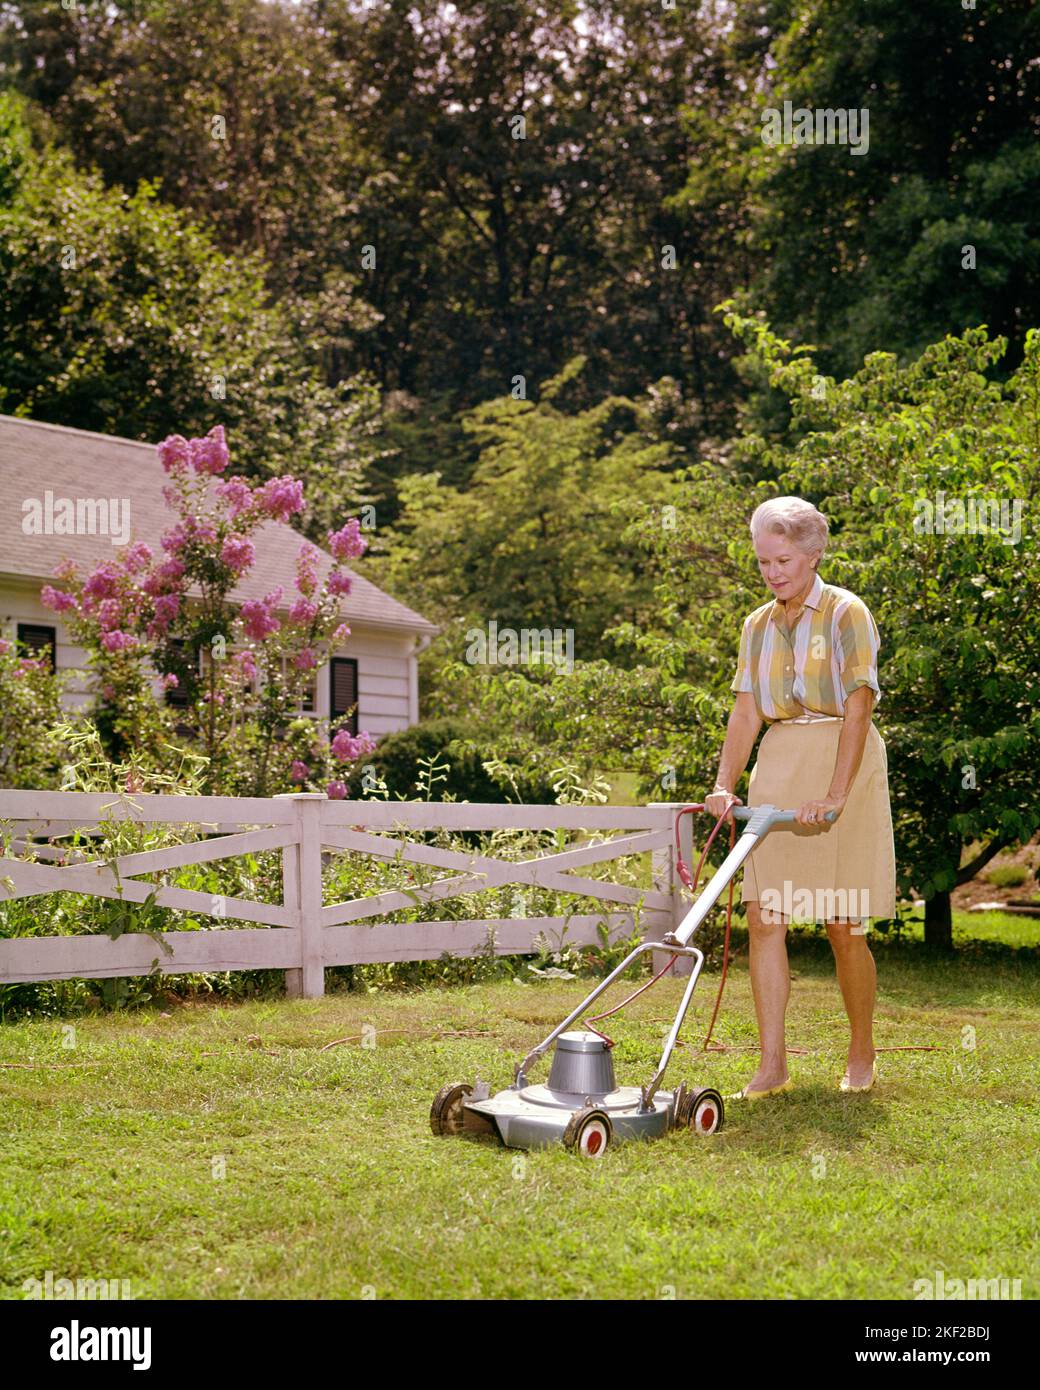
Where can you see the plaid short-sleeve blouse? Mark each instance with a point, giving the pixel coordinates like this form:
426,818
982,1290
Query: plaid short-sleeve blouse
813,668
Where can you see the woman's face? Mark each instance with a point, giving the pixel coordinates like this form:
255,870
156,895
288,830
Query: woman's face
786,569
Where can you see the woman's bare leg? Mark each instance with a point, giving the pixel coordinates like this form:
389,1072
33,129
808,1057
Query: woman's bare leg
771,987
857,978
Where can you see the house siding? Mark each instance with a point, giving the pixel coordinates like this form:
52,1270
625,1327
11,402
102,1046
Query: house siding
386,663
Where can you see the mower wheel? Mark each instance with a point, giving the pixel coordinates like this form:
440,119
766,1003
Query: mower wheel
589,1132
704,1111
446,1111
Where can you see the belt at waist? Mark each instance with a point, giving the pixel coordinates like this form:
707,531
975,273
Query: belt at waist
812,719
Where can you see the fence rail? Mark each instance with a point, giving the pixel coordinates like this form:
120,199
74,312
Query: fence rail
304,934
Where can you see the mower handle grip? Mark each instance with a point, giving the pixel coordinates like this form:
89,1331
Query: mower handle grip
779,817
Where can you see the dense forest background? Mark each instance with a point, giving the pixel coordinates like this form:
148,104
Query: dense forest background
464,263
421,203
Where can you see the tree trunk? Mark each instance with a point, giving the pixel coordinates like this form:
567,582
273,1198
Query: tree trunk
938,922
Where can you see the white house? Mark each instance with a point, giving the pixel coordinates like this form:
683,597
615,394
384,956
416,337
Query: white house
115,485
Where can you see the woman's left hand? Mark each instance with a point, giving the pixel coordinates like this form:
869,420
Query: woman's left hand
813,812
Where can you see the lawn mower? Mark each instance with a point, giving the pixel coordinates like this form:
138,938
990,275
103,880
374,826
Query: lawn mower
581,1105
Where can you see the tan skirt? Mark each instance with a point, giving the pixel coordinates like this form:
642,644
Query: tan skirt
844,869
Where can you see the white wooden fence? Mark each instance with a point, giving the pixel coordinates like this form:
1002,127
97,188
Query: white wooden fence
304,933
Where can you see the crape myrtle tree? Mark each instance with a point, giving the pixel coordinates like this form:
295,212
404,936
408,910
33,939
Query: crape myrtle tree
240,670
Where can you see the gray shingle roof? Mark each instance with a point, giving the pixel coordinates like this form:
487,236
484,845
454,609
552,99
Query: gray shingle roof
35,457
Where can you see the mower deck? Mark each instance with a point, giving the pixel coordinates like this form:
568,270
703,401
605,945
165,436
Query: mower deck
533,1117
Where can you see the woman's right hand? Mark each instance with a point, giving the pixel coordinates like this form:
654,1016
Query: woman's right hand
717,803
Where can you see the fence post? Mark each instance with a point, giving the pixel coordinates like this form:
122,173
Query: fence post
666,880
301,893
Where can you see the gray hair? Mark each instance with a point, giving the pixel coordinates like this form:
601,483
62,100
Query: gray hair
792,517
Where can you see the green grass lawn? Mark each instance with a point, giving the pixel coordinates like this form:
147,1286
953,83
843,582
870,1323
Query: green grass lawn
334,1187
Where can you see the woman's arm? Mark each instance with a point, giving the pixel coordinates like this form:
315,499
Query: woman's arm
858,709
741,732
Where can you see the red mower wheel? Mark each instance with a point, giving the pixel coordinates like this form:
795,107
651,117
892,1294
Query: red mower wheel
446,1111
589,1132
704,1112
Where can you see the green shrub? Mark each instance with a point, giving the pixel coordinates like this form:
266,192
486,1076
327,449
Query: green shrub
454,742
1008,876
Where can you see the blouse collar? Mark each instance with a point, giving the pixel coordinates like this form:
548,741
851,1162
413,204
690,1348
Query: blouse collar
811,600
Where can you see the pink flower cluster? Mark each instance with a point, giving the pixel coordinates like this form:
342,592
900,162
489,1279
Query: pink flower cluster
303,612
237,494
165,577
346,748
238,553
187,532
103,583
138,601
167,607
138,557
280,498
57,599
258,618
116,641
207,455
307,569
348,543
246,662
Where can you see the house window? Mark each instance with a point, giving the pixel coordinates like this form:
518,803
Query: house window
309,694
343,680
179,697
40,641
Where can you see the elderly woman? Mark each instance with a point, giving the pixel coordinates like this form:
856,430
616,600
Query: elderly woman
808,668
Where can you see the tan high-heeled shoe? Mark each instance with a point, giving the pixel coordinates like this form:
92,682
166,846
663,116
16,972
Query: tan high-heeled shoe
748,1094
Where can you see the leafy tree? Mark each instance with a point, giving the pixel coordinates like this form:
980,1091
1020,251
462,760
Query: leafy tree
118,314
455,750
929,476
372,153
535,540
934,226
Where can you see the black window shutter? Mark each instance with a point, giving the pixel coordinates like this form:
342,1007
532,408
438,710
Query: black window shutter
343,694
39,639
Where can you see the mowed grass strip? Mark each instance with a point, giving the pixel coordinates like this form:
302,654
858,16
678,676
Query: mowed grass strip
220,1153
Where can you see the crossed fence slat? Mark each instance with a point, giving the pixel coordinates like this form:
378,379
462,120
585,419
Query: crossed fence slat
536,872
150,861
30,880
